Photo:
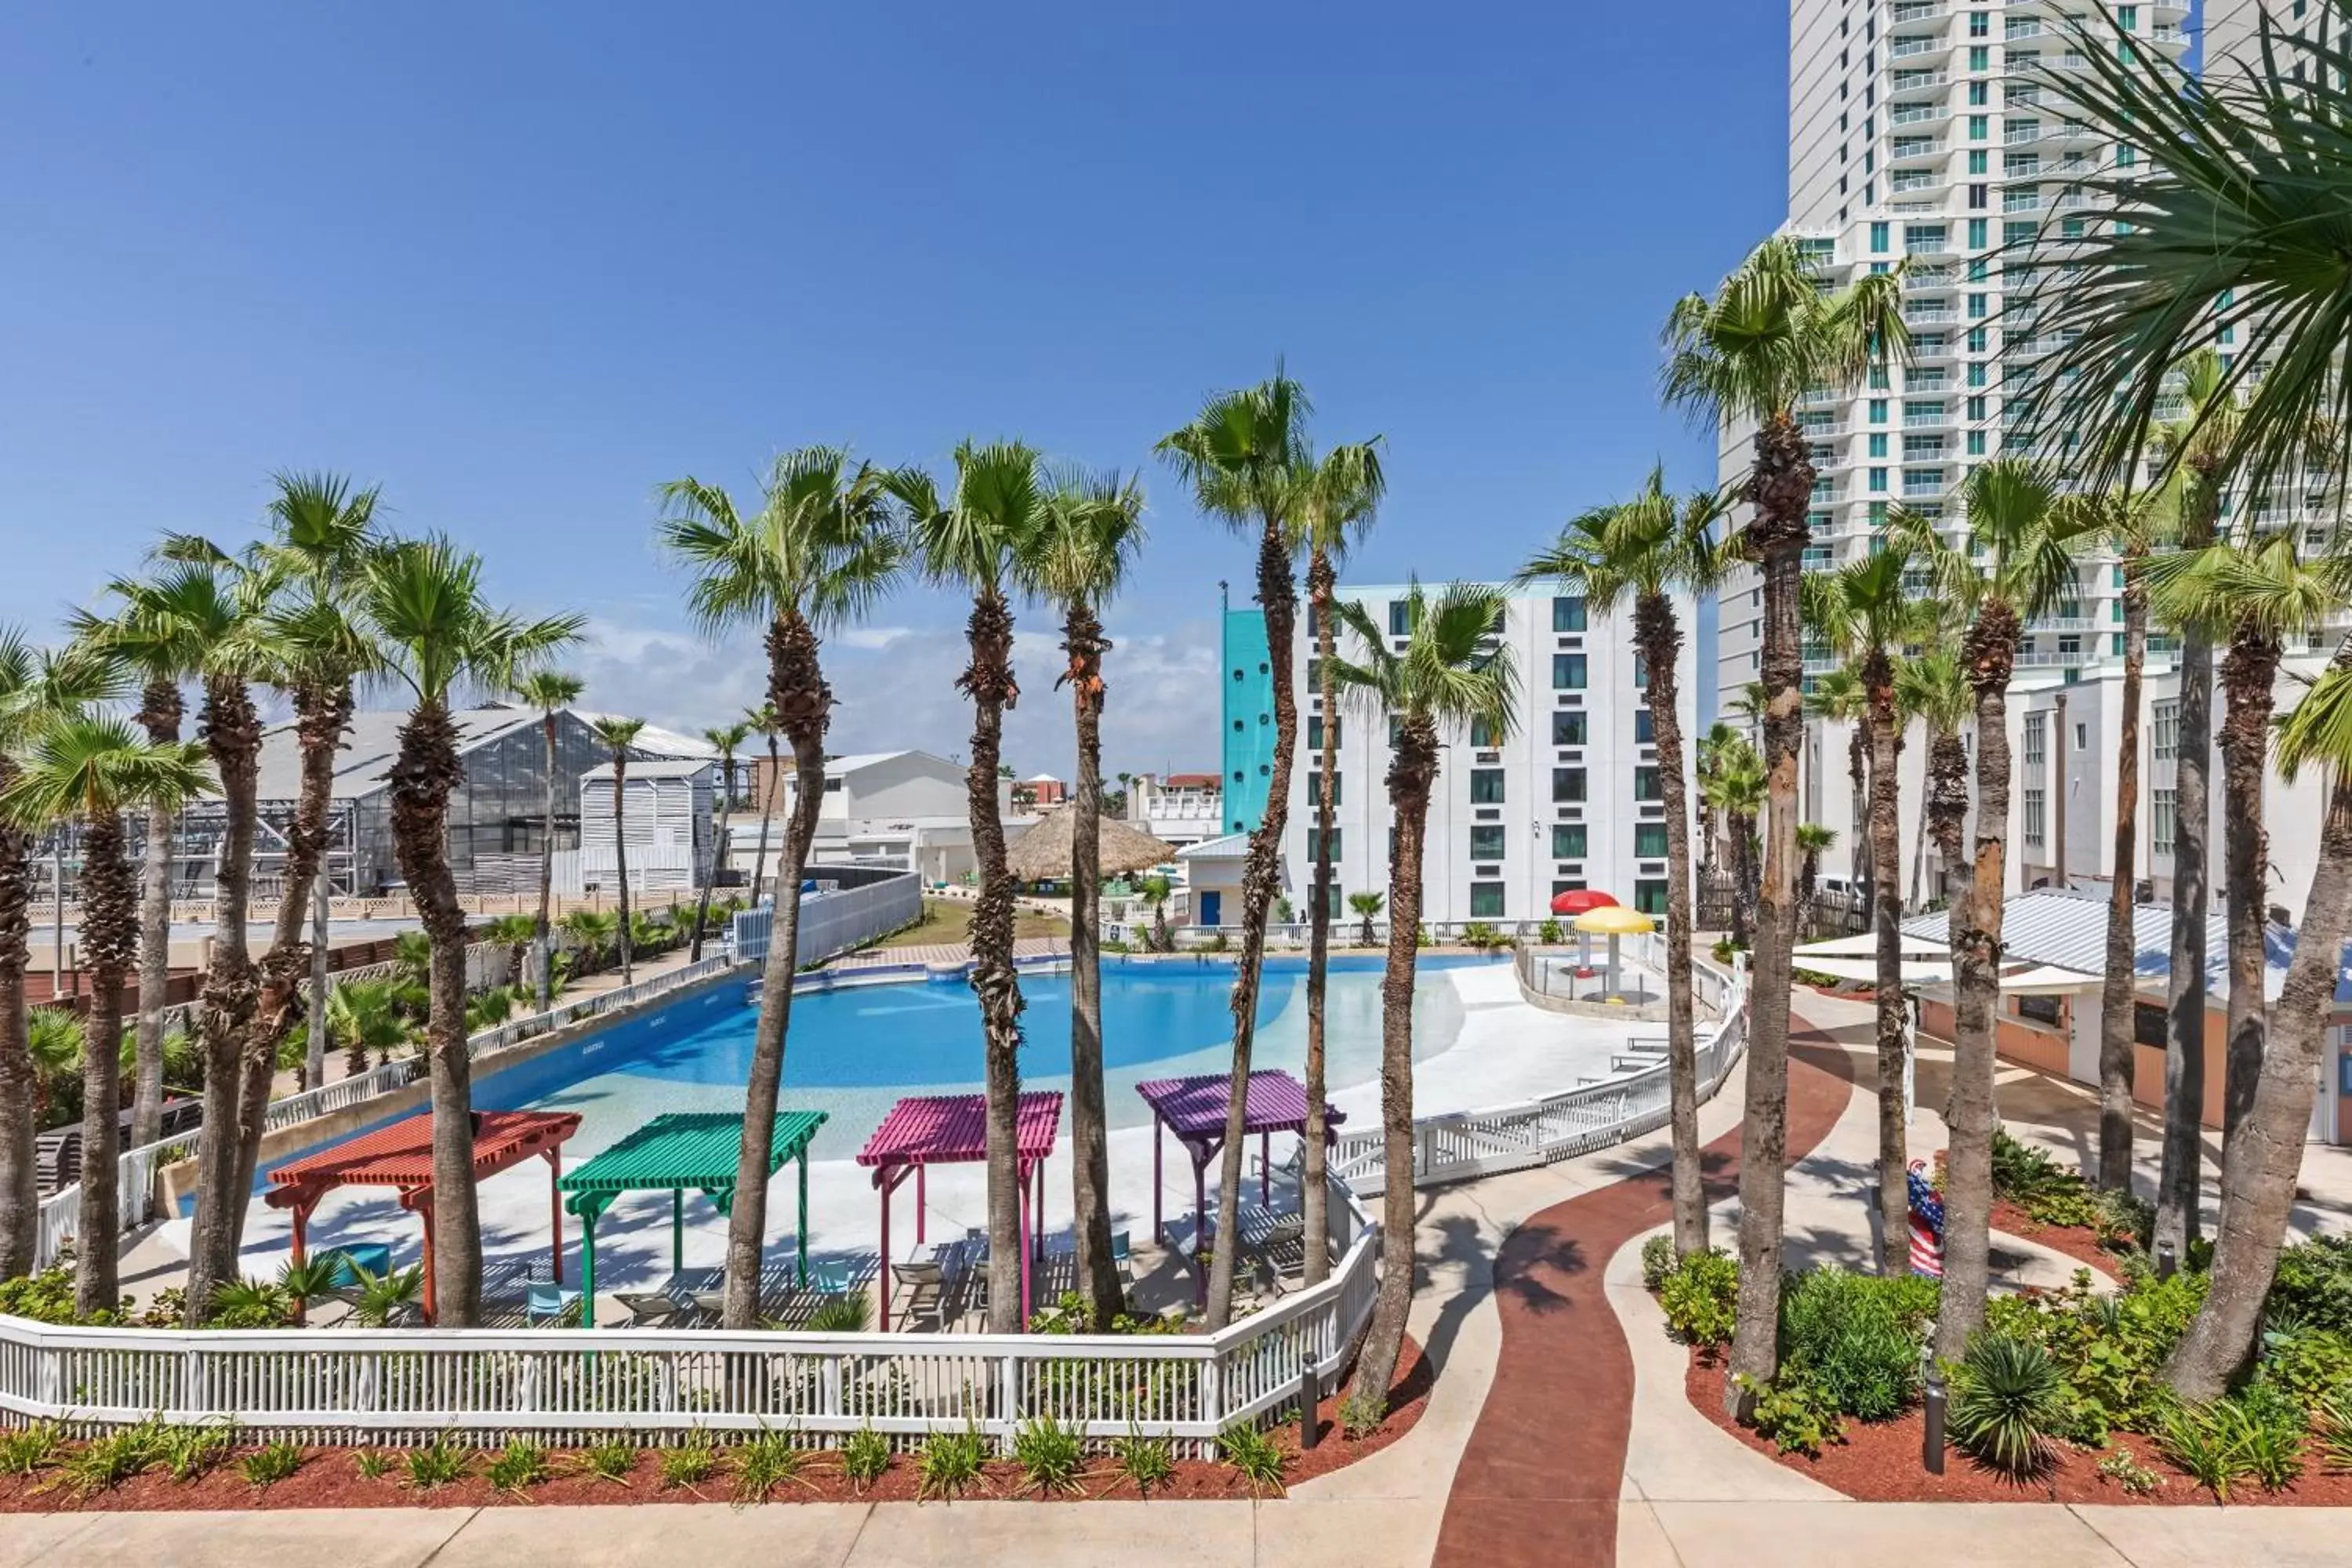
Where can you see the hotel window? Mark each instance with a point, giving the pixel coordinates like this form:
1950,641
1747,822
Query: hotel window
2036,738
1486,900
1315,787
1399,617
1567,785
1878,443
1980,127
1482,736
1567,672
1486,786
1650,896
1878,410
1646,785
1569,727
1646,726
1640,673
1650,841
1980,56
1979,24
1315,723
1878,238
1976,442
1314,844
2164,732
1567,613
2164,812
1979,161
1486,841
2034,810
1977,231
1568,841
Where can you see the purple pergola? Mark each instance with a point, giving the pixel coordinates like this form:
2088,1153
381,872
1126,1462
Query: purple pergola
922,1131
1194,1110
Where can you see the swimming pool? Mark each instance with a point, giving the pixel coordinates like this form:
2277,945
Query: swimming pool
853,1050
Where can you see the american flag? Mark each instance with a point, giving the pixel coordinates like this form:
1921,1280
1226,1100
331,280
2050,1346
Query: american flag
1926,1225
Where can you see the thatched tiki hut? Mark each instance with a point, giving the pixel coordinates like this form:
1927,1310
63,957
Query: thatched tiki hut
1042,853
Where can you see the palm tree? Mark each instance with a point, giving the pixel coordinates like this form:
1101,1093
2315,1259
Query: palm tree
591,933
1156,892
1865,612
2128,524
1243,456
727,740
1770,336
822,551
979,539
1813,840
1092,529
619,734
369,1016
1932,688
218,605
2019,561
1450,676
1707,760
763,720
1840,696
1337,500
89,771
2255,593
1367,907
2262,1164
550,691
424,599
1647,551
1734,791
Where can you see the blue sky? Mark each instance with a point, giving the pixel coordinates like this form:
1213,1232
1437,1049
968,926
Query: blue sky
518,265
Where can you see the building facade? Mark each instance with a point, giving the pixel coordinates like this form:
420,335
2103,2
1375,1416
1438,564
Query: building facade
1180,809
1247,709
1569,799
1923,131
906,809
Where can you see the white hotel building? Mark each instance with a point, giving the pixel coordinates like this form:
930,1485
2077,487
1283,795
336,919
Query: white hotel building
1569,799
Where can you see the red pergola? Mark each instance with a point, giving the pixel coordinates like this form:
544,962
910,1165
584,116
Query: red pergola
950,1129
400,1156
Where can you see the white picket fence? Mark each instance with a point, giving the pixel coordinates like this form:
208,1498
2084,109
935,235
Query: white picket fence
135,1169
1467,1143
572,1386
834,921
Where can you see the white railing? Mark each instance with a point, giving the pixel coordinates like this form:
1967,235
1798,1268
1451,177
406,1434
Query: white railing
832,922
1463,1144
564,1013
571,1386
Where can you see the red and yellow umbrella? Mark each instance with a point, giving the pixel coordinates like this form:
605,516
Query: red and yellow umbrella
1580,900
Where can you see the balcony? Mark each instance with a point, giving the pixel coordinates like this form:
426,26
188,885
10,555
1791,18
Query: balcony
1921,486
1914,180
1822,431
2018,28
1920,113
1929,315
1904,82
1916,11
1908,148
2063,622
1930,347
1927,278
2020,200
2021,135
1926,381
1925,421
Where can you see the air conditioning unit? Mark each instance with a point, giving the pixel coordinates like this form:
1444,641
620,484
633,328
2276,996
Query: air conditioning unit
1488,814
1489,759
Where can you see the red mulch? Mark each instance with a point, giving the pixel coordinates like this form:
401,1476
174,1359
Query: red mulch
1880,1462
2078,1242
330,1476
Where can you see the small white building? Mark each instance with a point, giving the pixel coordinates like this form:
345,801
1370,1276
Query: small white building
1180,809
906,808
666,816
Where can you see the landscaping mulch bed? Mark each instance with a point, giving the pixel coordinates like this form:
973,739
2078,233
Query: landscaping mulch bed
330,1476
1880,1462
2078,1242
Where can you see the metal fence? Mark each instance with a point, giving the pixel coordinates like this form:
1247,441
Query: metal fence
837,919
379,1385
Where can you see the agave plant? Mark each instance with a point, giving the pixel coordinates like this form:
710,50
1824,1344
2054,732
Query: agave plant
2008,1397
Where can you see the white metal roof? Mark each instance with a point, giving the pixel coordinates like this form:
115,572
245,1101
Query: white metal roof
2069,930
657,768
364,763
1232,847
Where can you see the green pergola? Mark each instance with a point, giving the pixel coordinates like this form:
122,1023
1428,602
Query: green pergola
675,1152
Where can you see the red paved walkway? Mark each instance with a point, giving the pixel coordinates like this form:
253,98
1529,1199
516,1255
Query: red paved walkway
1538,1480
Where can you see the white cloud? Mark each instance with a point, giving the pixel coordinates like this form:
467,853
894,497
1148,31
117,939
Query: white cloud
896,686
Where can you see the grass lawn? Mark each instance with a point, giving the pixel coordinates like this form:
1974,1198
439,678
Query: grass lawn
950,920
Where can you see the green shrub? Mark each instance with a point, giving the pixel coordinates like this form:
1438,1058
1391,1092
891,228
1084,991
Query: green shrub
2110,1349
2314,1284
1795,1413
1255,1456
692,1462
1701,1298
272,1463
2008,1400
2123,1467
1360,1416
2306,1364
1050,1456
1857,1336
439,1463
767,1462
2335,1427
950,1464
371,1464
30,1449
521,1466
192,1452
104,1463
610,1460
1657,1260
1148,1462
849,1313
1548,933
2206,1441
865,1458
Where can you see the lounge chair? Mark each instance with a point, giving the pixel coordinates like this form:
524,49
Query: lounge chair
648,1310
926,1278
547,1300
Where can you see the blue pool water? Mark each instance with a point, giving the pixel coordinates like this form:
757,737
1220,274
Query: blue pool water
852,1051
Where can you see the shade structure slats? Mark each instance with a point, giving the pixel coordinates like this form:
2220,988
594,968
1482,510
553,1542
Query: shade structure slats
925,1129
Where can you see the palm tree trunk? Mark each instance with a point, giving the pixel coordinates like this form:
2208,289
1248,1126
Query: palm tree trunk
1660,639
2118,1003
546,934
1975,930
1082,639
796,689
232,733
1779,485
768,815
110,944
314,1065
717,853
621,859
1314,1194
1887,917
2262,1162
1261,873
2249,673
1416,764
1742,828
1858,777
160,711
988,681
1918,861
322,715
423,773
2178,1218
20,1197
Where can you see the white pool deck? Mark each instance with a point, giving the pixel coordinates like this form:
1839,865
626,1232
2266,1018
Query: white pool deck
1502,1050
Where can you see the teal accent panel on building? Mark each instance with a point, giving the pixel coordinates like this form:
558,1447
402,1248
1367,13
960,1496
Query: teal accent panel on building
1247,680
